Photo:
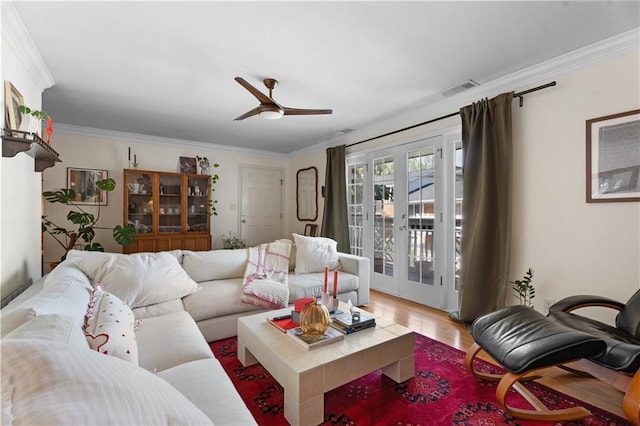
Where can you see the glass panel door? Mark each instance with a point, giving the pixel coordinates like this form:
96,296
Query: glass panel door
355,194
421,208
170,203
139,187
198,203
383,210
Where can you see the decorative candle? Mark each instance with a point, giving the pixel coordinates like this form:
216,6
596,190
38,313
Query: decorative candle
335,283
129,153
326,280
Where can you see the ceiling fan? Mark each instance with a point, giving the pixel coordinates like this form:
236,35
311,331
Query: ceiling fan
269,108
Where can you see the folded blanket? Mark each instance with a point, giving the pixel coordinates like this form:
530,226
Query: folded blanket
265,279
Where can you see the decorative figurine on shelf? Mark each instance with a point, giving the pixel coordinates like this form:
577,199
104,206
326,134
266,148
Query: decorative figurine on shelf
205,166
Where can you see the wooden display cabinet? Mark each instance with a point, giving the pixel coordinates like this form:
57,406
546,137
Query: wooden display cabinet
169,210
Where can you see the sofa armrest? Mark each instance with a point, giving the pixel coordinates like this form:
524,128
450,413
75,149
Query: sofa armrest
358,265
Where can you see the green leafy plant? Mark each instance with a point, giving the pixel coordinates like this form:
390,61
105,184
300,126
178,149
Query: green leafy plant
525,291
82,236
232,241
40,115
214,179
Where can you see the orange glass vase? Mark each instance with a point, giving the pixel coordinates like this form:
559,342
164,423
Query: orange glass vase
314,319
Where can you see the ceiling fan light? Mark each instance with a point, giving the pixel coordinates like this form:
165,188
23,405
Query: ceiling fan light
271,112
271,115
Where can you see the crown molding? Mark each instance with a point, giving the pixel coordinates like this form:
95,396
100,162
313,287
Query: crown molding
157,140
608,49
18,38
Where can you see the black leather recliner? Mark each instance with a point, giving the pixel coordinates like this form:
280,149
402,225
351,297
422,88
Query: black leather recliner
523,340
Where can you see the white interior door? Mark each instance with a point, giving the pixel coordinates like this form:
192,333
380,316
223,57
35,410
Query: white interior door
261,206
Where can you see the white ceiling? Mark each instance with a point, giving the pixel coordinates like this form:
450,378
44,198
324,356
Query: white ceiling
167,68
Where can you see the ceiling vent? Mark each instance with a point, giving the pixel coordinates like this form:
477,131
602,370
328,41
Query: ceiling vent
460,88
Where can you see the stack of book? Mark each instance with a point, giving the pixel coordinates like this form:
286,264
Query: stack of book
312,342
346,323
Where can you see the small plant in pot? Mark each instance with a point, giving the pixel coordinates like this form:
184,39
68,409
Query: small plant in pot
81,238
232,241
524,289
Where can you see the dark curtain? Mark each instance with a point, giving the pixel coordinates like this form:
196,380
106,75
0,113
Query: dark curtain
486,206
335,218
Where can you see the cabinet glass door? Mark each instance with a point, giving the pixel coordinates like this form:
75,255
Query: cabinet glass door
139,187
198,204
170,203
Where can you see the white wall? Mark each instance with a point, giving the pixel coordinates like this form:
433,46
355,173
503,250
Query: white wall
573,247
81,148
19,192
314,158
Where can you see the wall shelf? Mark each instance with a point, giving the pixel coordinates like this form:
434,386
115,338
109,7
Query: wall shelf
16,141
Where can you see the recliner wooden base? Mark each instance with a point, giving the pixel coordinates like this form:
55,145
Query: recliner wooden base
630,386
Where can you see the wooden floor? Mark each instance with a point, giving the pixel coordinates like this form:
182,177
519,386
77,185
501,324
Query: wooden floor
436,324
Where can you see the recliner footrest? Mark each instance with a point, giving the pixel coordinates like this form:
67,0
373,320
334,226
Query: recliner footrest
522,339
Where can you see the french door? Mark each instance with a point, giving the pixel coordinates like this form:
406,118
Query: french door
403,217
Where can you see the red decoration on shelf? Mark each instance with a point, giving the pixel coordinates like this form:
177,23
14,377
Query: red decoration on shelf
335,283
49,129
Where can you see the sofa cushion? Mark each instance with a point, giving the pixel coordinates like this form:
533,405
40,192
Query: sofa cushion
139,279
314,253
216,299
71,386
109,326
311,285
170,340
215,264
53,327
158,309
203,382
65,291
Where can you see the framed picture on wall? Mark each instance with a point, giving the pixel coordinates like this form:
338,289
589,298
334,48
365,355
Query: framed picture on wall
12,100
613,157
188,165
83,182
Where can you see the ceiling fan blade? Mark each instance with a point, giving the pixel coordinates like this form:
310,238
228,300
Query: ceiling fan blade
264,99
248,114
303,111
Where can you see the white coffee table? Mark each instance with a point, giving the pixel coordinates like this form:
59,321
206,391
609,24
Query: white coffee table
306,375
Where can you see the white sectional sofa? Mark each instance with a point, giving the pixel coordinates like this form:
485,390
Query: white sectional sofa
157,311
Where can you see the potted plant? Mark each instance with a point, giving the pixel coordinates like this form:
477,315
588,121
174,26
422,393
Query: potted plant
232,241
205,169
31,121
524,289
82,237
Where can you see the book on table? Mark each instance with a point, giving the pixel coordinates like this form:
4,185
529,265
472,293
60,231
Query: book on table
308,342
283,323
346,320
348,330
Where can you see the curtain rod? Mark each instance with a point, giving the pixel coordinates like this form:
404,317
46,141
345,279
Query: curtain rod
519,95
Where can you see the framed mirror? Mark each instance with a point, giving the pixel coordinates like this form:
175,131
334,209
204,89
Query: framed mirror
307,194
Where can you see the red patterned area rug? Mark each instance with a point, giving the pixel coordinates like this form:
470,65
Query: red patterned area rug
442,392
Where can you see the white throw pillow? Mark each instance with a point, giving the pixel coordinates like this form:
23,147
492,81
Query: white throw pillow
292,254
314,253
110,325
53,327
139,279
66,385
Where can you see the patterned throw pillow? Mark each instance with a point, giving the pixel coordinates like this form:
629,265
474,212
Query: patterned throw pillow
109,326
